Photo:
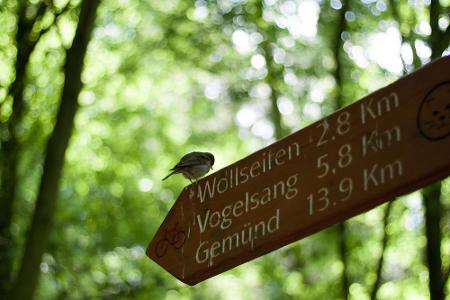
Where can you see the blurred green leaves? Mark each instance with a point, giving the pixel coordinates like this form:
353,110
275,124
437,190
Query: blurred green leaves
163,78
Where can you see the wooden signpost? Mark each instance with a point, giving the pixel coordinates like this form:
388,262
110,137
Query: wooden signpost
389,143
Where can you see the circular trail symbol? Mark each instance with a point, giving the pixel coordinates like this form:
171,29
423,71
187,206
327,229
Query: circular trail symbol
433,117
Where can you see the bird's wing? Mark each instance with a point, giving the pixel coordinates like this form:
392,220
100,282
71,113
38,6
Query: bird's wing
190,159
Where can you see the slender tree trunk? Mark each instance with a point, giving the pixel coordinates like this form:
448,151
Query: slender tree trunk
41,225
432,194
274,70
394,8
339,103
276,115
384,243
439,40
433,207
27,37
10,147
337,53
273,73
342,234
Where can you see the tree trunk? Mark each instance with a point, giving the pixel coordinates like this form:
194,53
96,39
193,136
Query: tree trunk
41,225
339,103
342,232
10,147
384,242
274,70
273,73
431,195
431,200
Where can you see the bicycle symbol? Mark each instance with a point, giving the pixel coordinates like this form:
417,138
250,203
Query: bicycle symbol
174,237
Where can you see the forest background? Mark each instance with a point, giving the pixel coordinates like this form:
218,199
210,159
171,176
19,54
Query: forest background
99,98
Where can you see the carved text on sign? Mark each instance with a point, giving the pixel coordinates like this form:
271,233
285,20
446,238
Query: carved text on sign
345,164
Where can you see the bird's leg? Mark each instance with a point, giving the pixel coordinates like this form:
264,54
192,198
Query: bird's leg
190,176
186,187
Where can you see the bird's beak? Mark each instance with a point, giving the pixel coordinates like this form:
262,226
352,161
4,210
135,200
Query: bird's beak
210,167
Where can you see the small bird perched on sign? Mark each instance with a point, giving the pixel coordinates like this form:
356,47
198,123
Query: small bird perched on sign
193,165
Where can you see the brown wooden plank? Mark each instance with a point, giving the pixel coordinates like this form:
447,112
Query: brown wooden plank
389,143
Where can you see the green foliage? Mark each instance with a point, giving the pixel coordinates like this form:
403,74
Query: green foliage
163,78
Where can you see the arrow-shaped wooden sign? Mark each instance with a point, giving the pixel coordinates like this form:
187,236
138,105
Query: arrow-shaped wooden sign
389,143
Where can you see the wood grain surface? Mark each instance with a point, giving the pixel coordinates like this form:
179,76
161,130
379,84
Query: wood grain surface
391,142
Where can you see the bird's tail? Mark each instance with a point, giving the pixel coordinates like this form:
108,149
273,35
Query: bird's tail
170,174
